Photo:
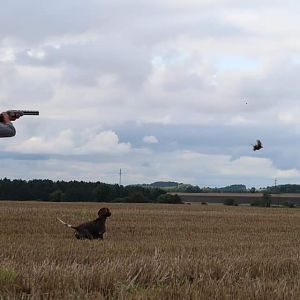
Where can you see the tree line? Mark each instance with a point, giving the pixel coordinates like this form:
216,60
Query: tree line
176,187
284,188
80,191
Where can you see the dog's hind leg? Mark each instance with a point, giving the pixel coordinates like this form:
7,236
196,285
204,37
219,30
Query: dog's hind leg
83,234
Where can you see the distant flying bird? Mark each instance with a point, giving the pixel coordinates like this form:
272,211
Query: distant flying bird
257,146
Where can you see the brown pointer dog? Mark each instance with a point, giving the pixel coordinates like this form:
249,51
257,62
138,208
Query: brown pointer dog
93,229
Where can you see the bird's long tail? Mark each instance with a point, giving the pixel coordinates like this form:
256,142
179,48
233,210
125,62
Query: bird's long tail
66,224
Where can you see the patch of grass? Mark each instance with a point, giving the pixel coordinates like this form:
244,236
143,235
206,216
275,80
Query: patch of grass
7,276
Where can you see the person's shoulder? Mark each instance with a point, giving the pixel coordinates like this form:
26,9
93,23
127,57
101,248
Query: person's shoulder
7,130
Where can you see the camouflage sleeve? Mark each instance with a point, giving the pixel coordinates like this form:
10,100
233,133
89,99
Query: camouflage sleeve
7,130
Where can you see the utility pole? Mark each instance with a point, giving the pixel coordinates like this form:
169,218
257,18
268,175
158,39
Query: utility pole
120,177
275,182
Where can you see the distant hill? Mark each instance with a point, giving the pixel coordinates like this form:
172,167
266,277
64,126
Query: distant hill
235,188
176,187
162,184
171,186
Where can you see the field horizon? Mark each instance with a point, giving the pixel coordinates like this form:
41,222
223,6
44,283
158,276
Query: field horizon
150,251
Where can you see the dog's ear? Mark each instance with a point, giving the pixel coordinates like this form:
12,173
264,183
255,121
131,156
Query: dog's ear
100,212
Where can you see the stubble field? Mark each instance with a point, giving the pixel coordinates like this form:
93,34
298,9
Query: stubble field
150,252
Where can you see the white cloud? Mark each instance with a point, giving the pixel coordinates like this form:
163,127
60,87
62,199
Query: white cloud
104,142
150,139
189,65
69,143
62,144
293,173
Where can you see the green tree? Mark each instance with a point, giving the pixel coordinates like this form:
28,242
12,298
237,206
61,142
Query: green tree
103,192
170,199
57,196
137,197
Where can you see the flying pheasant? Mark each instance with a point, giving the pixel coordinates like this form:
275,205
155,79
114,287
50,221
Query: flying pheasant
257,146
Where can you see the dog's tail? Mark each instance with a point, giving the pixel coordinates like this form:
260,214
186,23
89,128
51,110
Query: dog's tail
66,224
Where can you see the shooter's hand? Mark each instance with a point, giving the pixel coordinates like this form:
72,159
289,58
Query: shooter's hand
15,116
5,118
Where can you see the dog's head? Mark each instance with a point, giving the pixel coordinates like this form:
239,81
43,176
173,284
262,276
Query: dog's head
104,212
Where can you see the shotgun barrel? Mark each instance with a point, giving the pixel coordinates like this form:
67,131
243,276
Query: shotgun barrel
14,112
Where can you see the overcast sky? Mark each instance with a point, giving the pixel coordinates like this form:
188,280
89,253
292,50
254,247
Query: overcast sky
166,90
